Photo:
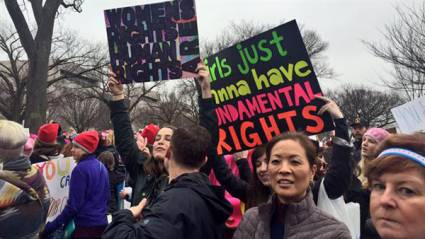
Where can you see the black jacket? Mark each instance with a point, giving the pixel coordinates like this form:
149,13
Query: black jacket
361,195
337,179
144,185
116,177
190,207
236,186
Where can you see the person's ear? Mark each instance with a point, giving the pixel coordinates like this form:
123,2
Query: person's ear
205,161
313,171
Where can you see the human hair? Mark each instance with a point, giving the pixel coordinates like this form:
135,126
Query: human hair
42,148
190,146
396,163
154,166
303,140
110,138
107,158
257,192
66,150
168,126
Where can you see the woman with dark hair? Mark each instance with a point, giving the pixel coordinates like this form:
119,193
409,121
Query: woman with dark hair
47,145
116,178
148,176
291,213
336,180
259,186
397,182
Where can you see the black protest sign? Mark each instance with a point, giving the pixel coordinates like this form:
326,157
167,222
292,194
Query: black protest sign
153,42
265,86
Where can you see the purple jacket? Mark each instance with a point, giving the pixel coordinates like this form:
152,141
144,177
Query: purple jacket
88,196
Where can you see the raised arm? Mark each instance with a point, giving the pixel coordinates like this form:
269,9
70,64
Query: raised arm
126,145
241,159
208,119
338,176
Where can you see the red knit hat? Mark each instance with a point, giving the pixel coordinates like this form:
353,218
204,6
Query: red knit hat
48,133
150,132
87,141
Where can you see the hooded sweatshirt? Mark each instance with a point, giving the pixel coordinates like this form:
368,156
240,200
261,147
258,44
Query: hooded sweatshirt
190,207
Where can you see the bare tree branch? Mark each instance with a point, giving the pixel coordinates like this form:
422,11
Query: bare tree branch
404,48
21,25
374,107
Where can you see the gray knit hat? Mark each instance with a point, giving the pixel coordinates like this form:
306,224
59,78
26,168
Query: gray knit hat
12,140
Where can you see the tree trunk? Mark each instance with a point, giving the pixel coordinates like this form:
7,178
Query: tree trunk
38,49
36,102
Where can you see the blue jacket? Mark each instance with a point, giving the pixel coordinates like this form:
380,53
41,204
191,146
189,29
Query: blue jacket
88,196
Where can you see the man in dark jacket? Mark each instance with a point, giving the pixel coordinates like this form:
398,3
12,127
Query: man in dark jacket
358,129
189,207
150,183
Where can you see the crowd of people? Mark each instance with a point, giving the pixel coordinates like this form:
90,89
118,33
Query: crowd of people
275,192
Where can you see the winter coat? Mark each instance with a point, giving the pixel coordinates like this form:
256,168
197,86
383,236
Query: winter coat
144,185
337,179
24,197
116,177
357,151
189,208
301,220
88,196
360,195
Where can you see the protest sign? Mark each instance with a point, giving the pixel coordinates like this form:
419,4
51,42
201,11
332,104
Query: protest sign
57,174
410,117
153,42
265,86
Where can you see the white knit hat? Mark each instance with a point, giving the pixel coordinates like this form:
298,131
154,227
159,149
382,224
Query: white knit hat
12,140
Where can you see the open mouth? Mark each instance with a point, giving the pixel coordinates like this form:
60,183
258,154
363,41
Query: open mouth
284,182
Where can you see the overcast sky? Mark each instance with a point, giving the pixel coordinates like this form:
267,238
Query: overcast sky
342,23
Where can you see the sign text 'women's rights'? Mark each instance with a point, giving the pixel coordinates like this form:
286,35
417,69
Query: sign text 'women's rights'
265,86
153,42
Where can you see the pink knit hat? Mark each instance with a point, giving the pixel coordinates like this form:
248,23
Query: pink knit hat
378,134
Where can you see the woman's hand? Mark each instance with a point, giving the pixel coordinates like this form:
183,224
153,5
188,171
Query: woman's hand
240,155
203,79
123,194
330,107
142,143
115,87
137,210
